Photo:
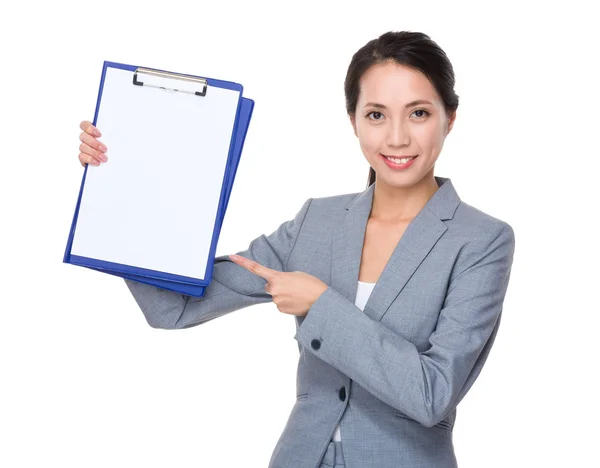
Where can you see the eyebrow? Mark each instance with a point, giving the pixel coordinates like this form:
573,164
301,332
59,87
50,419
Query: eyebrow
410,104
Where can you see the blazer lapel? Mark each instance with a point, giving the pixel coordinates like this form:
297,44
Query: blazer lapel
418,239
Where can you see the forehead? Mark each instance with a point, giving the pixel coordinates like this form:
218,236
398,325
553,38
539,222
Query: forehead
393,84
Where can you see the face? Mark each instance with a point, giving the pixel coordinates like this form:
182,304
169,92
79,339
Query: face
387,122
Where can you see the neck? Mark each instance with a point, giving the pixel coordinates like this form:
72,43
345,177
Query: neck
400,204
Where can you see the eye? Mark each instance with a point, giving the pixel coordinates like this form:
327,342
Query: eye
422,110
374,112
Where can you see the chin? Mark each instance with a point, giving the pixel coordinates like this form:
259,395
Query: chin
400,179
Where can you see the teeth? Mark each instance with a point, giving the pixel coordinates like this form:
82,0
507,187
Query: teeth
398,160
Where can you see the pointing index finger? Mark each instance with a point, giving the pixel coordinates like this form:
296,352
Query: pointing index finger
254,267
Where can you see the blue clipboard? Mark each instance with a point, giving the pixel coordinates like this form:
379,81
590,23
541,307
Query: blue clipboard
177,283
190,289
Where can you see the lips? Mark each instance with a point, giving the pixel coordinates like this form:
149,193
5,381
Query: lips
398,166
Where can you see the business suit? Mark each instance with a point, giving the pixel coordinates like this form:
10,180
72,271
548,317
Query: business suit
393,374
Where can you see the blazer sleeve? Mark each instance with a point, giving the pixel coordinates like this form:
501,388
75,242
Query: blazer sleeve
427,385
232,287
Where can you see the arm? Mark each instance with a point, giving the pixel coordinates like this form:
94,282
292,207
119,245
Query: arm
425,386
232,287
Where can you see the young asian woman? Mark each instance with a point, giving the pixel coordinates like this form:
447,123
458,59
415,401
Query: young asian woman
397,291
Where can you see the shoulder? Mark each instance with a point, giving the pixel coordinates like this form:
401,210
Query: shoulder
468,224
320,211
480,228
330,205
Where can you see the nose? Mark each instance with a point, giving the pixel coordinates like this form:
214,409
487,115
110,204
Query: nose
397,136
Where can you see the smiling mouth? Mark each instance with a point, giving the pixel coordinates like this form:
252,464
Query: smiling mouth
399,159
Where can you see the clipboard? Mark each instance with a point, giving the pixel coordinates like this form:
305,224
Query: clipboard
181,287
182,86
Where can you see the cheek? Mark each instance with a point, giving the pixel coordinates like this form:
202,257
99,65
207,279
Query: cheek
429,137
370,140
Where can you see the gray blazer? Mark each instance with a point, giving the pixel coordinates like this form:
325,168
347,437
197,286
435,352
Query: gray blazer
393,374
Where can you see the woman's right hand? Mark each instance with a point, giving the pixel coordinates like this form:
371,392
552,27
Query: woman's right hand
91,150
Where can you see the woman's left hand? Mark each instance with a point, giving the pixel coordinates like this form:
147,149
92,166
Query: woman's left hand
293,292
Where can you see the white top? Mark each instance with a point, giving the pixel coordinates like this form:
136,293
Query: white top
362,296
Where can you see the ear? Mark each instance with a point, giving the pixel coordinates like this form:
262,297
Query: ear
451,122
353,122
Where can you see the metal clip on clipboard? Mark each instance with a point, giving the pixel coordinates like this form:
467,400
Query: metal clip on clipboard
159,79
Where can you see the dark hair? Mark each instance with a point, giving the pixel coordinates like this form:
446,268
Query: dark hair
412,49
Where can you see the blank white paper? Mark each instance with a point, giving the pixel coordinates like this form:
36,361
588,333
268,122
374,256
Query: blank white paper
154,203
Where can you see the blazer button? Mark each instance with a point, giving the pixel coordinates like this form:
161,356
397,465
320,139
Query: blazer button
316,344
342,393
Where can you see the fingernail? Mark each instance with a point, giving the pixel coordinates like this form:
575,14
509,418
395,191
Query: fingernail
103,157
102,148
97,132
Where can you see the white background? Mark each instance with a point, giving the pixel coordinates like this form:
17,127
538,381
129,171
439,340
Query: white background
86,382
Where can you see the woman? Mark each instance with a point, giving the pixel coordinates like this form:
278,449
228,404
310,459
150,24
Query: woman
397,291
